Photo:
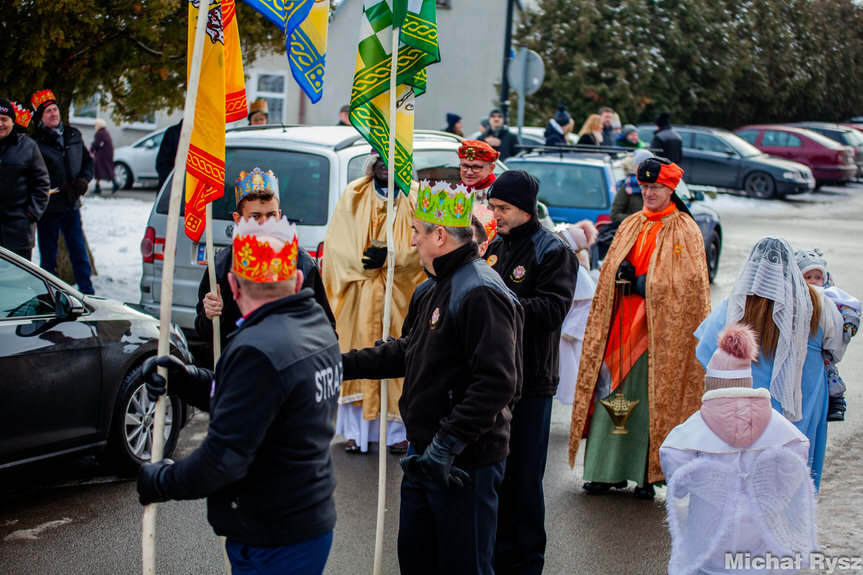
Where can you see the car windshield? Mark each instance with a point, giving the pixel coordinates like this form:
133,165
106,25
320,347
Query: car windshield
567,185
303,183
741,146
430,165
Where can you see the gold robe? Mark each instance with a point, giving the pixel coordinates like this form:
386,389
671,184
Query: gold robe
356,294
678,300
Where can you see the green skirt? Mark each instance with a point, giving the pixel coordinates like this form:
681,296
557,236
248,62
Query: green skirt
612,458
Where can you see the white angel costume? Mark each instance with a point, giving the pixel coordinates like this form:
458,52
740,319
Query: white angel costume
738,484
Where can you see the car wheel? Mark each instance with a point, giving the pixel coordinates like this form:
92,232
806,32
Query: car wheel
123,176
130,441
760,185
713,249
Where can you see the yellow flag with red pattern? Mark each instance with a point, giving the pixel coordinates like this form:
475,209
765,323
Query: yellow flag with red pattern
221,99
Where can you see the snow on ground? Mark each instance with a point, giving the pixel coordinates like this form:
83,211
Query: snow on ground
114,228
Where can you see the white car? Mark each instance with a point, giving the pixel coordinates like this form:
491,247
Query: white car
313,165
137,163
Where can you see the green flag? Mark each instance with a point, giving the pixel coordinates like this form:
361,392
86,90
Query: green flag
370,96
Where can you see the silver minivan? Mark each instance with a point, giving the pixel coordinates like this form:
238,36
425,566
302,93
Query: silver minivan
313,165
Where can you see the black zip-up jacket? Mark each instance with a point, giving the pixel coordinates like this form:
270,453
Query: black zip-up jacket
541,270
460,355
670,142
265,465
508,141
66,163
24,189
230,311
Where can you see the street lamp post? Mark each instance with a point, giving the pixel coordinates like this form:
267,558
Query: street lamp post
507,51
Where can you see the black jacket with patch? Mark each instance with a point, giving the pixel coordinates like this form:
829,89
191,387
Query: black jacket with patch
541,270
265,465
230,311
460,355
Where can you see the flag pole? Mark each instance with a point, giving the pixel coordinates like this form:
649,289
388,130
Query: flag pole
388,296
148,523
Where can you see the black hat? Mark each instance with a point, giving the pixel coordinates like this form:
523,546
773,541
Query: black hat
516,187
562,117
663,119
452,119
6,109
495,111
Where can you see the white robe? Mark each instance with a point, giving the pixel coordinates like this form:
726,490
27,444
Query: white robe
572,335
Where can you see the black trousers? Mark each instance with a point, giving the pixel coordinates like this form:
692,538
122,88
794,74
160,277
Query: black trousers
449,530
520,545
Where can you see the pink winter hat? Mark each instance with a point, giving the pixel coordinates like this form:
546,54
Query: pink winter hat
731,364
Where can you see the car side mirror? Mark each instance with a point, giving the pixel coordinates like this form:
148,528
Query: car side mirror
149,144
68,307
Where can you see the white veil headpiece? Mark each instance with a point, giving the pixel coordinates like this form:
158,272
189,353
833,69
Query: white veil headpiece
771,272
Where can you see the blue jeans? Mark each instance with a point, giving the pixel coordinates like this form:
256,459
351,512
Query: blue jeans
305,558
49,226
521,538
449,530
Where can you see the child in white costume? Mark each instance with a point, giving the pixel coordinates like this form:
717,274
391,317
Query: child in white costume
580,237
738,484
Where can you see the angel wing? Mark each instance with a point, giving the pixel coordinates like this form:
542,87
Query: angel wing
700,503
782,494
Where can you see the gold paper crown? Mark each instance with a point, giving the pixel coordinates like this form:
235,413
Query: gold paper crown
440,204
265,253
256,181
22,115
42,97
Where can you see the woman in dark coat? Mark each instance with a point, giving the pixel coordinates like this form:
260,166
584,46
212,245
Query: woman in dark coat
103,155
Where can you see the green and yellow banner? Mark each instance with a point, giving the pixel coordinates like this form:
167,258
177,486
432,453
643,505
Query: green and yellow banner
370,96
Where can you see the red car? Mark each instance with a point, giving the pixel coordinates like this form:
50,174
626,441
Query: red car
829,161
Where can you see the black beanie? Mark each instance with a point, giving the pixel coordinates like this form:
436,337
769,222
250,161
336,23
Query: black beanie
516,187
6,109
562,117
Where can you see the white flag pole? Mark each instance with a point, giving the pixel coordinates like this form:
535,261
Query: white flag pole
388,296
148,526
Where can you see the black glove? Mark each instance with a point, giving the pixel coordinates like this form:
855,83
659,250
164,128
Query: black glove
626,271
381,342
186,380
80,186
151,482
435,464
374,258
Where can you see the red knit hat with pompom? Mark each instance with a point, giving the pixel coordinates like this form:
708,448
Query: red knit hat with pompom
731,364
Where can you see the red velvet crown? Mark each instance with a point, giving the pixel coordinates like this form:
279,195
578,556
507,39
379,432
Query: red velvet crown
42,97
477,150
255,258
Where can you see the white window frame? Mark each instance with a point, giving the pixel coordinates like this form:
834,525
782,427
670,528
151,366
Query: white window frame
253,93
85,120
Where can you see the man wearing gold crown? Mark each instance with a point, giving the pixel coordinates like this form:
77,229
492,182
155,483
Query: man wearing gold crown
70,167
354,272
476,167
257,195
460,355
259,112
541,270
24,184
265,465
653,292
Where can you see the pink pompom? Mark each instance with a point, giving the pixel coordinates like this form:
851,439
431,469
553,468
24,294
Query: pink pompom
589,230
739,341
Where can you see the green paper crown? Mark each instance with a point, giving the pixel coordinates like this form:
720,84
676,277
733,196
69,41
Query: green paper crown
442,205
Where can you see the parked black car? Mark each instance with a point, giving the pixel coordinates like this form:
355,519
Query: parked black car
70,372
842,134
715,157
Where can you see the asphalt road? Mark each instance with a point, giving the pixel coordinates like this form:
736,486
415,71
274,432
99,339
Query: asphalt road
73,517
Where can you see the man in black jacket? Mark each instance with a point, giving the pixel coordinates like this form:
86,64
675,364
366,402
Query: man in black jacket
70,168
265,464
167,154
667,139
24,185
541,269
258,198
460,354
499,137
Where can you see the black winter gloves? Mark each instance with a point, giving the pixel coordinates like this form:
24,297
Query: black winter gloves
626,271
435,464
80,186
151,482
192,384
374,258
